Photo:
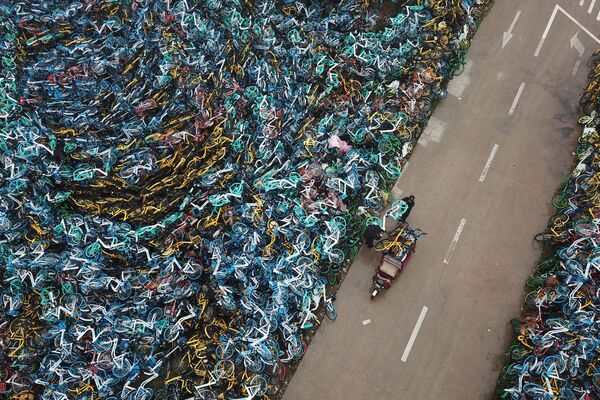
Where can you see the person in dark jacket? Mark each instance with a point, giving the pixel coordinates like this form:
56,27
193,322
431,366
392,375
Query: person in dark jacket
372,232
410,200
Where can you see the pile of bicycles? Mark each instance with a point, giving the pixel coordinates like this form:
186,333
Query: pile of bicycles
183,180
557,347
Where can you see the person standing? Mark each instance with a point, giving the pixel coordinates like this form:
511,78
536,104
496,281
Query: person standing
372,232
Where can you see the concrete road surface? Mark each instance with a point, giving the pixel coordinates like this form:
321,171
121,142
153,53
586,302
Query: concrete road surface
441,330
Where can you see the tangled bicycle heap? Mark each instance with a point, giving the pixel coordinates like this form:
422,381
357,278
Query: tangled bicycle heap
558,338
182,179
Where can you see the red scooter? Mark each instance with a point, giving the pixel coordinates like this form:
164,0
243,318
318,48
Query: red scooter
397,250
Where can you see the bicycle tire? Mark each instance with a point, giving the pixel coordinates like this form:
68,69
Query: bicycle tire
588,108
225,369
353,252
581,150
511,370
205,394
586,98
332,279
559,202
440,93
324,269
335,267
256,366
596,380
558,219
330,311
385,147
533,389
548,270
518,353
261,382
585,228
380,245
535,282
394,173
225,351
120,373
594,59
458,69
530,301
282,370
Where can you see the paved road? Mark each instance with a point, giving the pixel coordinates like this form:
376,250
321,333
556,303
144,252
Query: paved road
457,353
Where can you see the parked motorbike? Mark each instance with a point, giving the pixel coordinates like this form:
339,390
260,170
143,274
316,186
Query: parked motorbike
397,251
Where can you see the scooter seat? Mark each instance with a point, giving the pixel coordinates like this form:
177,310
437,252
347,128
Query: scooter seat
389,269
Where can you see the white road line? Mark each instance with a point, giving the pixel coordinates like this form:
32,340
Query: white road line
455,240
545,34
581,2
551,20
488,163
506,36
414,334
576,67
591,7
598,16
583,28
576,44
516,100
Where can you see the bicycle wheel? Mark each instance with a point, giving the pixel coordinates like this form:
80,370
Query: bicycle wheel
205,394
558,220
336,256
586,99
546,266
260,383
518,352
255,365
225,351
596,381
530,300
535,282
534,390
335,268
332,279
543,237
323,267
224,369
121,371
459,68
439,92
398,208
385,147
585,228
353,252
512,370
330,311
392,172
381,245
588,107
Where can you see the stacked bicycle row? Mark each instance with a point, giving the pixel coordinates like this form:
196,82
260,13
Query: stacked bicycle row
557,346
183,180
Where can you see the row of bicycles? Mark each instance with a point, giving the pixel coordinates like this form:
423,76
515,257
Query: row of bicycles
183,181
556,350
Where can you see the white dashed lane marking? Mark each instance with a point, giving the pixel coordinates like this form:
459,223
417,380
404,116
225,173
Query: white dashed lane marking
516,100
454,241
414,334
488,163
